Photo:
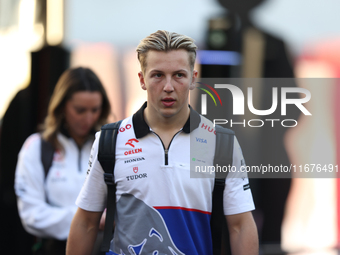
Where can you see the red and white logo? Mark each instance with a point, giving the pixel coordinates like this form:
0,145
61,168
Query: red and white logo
133,151
127,127
131,141
135,169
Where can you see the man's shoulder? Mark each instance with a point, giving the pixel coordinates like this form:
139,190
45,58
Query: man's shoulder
123,124
204,121
209,125
206,125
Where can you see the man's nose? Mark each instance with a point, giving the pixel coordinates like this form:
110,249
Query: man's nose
168,85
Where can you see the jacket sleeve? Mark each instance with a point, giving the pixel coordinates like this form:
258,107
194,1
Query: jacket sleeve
38,217
237,196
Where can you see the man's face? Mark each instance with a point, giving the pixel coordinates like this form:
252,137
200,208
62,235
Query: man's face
167,79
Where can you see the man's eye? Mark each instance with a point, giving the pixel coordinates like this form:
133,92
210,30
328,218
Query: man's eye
158,75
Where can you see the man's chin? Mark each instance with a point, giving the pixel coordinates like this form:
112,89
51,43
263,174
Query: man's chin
168,113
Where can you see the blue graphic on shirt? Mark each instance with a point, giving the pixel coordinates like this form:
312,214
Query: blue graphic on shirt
190,230
154,232
137,249
141,229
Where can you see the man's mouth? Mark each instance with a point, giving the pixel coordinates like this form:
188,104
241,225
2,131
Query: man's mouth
168,101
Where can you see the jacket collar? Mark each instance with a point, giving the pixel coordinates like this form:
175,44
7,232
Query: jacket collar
141,128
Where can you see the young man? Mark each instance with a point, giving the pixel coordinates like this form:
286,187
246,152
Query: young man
159,208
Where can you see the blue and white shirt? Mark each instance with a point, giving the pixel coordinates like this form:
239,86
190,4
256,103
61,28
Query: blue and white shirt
160,208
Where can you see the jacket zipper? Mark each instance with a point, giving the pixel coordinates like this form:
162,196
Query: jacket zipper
79,159
166,151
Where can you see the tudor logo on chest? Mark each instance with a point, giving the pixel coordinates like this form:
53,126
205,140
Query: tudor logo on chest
136,176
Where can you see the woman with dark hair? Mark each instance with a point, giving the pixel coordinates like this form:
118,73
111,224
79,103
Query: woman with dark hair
46,202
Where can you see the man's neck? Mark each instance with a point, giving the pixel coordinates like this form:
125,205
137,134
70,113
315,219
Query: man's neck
166,127
165,124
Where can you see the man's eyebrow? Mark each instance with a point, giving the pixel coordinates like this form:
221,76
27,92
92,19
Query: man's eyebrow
181,70
156,71
176,71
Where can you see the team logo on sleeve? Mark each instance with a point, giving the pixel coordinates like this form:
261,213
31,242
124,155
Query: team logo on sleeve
89,167
245,187
242,162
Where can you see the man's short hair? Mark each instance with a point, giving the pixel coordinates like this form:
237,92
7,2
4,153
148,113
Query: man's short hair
166,41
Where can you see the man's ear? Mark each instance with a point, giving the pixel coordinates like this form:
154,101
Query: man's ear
194,78
141,80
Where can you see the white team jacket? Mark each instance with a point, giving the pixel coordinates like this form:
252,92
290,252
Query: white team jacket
60,188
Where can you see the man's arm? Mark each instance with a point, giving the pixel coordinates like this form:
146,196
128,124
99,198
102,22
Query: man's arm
243,234
83,232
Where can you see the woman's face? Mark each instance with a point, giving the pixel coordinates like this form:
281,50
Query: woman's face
82,112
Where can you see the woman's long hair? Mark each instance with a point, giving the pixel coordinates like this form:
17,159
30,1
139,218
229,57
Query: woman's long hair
71,81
